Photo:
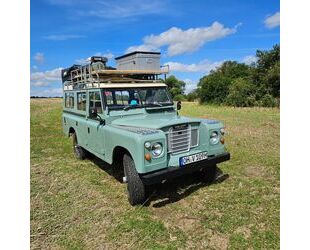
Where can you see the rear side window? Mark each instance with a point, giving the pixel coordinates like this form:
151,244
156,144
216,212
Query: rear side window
122,97
81,101
69,100
109,97
95,101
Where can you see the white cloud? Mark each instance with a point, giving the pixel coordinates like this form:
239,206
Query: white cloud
181,41
204,66
272,21
47,92
62,37
143,47
113,9
39,57
40,79
190,85
108,55
124,9
40,84
249,59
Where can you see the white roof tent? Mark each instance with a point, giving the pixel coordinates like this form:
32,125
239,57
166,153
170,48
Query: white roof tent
133,69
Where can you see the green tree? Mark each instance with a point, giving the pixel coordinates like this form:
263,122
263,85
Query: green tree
214,87
233,69
267,75
175,86
192,96
179,98
239,84
241,93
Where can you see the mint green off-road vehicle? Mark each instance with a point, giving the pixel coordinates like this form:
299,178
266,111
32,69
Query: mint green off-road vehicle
126,117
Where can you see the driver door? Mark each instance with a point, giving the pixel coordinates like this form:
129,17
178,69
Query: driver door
95,129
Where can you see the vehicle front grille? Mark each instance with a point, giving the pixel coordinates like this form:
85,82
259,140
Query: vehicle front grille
181,138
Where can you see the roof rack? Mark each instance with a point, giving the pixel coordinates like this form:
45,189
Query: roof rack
92,75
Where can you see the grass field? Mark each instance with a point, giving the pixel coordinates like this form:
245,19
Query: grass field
81,205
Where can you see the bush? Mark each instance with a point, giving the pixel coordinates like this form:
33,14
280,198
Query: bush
213,88
269,101
241,93
179,98
191,97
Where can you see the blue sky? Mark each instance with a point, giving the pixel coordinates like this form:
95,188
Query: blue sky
193,36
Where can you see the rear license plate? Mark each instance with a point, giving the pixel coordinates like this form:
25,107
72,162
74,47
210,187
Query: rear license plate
193,158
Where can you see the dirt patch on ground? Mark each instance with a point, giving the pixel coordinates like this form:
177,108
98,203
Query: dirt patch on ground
254,171
245,231
219,241
186,223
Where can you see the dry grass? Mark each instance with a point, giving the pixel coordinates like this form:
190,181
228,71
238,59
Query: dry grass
81,205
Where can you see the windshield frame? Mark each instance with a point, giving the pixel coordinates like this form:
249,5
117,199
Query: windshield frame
127,107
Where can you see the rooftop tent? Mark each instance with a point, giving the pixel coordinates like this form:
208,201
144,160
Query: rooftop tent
139,60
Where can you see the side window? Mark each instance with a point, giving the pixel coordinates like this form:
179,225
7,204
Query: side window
69,100
81,101
122,97
95,101
109,97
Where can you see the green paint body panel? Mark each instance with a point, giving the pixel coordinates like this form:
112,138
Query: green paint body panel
119,131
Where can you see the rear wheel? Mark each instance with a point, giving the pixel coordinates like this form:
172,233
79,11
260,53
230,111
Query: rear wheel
135,186
79,152
209,174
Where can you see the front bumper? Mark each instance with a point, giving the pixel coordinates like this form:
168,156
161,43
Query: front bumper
172,172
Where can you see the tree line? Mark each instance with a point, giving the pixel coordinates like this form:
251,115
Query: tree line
237,84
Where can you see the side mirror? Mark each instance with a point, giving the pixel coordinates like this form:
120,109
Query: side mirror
179,105
93,113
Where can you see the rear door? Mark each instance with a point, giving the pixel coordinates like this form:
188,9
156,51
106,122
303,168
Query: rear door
81,119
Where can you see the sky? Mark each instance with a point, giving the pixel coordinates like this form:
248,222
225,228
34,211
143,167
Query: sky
193,37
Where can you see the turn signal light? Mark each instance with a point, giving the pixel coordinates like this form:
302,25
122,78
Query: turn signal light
222,140
147,157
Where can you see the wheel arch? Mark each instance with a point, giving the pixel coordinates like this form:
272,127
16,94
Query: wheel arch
118,154
71,131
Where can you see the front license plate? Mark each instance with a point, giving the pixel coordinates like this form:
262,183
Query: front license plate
193,158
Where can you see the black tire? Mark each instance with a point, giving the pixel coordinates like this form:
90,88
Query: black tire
209,174
79,152
135,186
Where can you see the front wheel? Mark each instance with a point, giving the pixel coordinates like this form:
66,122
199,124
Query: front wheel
79,152
135,186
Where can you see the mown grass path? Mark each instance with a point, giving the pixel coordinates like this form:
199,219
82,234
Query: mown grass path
81,205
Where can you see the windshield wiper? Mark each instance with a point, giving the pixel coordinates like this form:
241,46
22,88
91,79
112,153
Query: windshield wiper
154,104
132,107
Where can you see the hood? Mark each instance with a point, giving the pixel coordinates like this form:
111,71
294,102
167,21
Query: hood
154,121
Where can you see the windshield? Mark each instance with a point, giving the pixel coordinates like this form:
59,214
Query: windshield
136,97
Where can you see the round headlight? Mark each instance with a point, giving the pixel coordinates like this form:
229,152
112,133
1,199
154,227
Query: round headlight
214,138
157,149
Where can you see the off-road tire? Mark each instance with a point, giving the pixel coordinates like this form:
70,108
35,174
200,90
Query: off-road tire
135,186
79,152
209,174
